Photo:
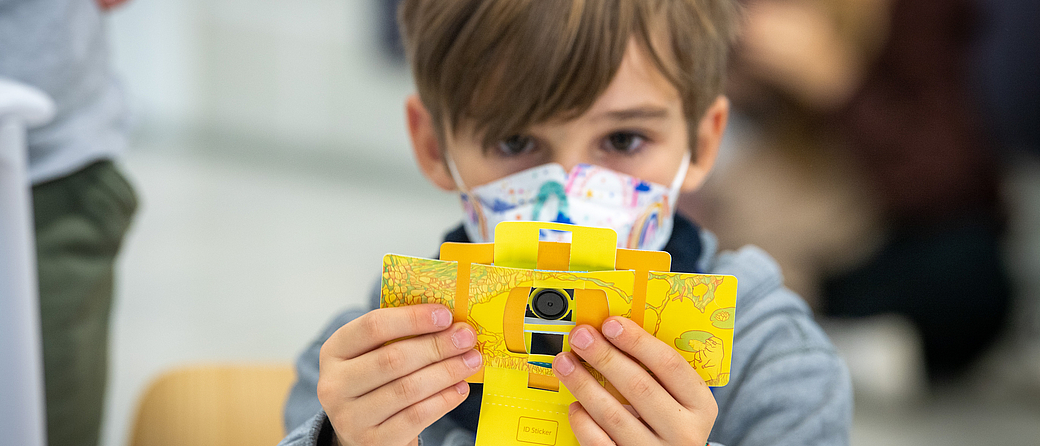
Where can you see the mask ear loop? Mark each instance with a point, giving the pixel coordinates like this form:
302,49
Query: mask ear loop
473,201
680,177
455,173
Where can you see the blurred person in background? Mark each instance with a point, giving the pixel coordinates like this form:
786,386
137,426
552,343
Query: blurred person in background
890,199
82,204
1006,65
1007,72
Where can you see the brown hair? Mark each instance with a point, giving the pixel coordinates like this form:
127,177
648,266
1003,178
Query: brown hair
505,65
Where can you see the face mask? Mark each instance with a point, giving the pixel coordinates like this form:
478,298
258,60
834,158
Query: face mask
641,212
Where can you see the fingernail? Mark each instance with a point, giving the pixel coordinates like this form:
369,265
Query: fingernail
462,387
471,359
441,317
462,338
563,364
581,338
612,329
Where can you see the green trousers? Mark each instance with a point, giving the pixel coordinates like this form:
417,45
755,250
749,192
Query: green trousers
80,223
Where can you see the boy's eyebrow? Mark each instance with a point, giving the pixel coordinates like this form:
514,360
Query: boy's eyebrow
635,113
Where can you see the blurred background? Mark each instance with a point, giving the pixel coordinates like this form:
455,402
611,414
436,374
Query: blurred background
270,155
273,167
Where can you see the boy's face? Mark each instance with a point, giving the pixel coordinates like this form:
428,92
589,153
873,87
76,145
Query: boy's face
636,127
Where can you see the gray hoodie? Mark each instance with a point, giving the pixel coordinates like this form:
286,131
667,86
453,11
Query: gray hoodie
787,384
60,47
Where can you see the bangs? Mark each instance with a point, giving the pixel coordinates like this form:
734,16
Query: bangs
505,65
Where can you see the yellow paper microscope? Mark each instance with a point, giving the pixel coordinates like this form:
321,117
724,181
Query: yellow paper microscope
523,296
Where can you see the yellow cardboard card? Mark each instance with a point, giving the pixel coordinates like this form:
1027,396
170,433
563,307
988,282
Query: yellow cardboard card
523,297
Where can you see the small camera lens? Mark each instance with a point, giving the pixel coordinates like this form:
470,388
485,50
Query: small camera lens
549,304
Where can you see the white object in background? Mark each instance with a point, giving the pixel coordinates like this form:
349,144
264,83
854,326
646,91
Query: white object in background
885,358
22,413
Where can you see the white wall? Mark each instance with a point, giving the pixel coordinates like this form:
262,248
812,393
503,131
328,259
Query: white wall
304,74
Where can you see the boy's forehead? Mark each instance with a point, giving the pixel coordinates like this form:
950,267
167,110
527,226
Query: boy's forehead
638,90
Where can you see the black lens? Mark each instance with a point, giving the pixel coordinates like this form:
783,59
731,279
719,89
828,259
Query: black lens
549,304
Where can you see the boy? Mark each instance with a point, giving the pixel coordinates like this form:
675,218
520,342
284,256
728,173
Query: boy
511,91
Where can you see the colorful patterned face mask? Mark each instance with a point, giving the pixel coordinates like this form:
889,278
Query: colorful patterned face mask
641,212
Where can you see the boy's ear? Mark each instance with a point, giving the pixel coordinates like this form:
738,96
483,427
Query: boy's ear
426,145
709,137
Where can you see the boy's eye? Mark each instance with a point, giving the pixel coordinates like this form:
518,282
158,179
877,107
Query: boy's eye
625,142
516,145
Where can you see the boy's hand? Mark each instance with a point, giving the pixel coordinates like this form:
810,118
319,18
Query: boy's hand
675,409
386,394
